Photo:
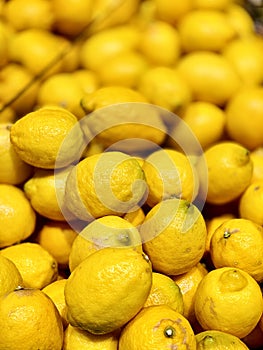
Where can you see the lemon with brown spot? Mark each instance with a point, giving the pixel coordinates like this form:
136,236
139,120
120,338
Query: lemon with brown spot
212,339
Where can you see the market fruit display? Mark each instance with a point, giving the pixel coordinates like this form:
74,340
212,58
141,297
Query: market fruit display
131,175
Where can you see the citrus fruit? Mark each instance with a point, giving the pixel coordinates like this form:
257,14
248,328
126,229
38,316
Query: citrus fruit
172,11
10,277
227,297
34,320
157,327
240,19
14,208
257,160
173,236
213,339
251,201
98,292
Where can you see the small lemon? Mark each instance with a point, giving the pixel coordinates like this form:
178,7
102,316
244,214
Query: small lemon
75,339
7,114
250,203
157,327
173,236
212,4
37,267
213,339
226,298
38,137
17,218
240,19
35,322
229,171
135,217
257,159
4,56
108,289
172,11
10,277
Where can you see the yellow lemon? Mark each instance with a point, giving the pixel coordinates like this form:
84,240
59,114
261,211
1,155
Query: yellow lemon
157,327
173,236
75,339
239,243
227,297
206,120
98,292
212,4
86,79
169,173
38,137
17,218
37,267
240,19
135,217
164,87
121,191
107,231
165,291
10,277
4,56
12,169
229,171
57,238
172,11
24,14
246,55
160,43
205,30
55,291
212,339
31,312
106,44
239,124
251,201
210,76
188,283
7,114
257,159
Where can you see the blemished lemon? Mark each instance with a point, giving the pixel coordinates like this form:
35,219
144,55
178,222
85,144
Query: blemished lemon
205,30
257,159
31,312
173,236
160,43
121,191
55,291
157,327
98,292
215,340
24,14
239,124
246,55
206,120
57,238
75,339
172,11
107,231
210,76
229,171
169,173
188,283
240,19
14,208
164,87
12,169
37,267
10,277
250,203
100,47
239,243
38,136
226,298
165,291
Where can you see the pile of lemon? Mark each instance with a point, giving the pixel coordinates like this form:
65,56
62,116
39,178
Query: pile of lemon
131,175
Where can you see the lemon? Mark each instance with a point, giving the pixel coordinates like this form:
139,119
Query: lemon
135,217
246,130
240,19
257,159
4,56
172,11
169,173
250,203
14,208
10,277
205,30
31,312
37,267
107,231
227,297
213,339
173,236
210,76
75,339
122,189
7,114
212,4
12,169
157,327
229,171
108,289
38,136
